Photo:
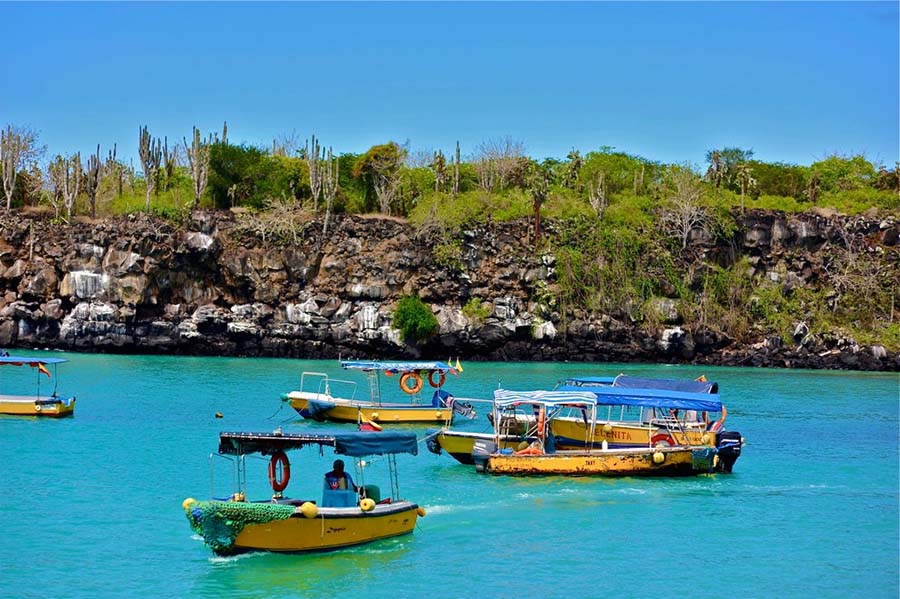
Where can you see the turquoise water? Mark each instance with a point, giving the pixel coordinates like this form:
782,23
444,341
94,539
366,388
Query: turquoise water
91,506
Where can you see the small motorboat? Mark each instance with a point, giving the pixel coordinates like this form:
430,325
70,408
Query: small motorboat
345,515
43,403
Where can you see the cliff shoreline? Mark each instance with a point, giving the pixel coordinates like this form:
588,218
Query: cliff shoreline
138,284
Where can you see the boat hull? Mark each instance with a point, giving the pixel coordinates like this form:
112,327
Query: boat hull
345,410
460,444
30,406
329,529
674,462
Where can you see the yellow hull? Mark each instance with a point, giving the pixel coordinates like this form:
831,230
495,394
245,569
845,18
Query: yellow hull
345,410
571,434
459,444
638,462
27,406
328,530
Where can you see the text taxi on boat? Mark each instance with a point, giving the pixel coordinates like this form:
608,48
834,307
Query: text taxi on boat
623,425
44,402
351,512
322,397
543,455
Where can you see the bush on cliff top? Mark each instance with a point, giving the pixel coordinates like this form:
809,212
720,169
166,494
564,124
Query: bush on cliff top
414,319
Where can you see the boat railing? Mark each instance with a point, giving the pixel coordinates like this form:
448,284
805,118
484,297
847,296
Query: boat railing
322,384
235,472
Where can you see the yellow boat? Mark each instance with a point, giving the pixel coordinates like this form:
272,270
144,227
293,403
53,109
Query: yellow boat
321,397
41,403
343,517
659,457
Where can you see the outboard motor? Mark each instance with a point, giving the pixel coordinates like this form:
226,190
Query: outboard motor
481,451
432,442
728,445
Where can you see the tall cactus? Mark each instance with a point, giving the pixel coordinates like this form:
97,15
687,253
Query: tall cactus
332,176
198,160
151,156
92,180
314,162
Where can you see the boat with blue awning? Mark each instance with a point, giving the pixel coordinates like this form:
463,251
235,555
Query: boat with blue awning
347,514
632,412
45,401
544,455
323,397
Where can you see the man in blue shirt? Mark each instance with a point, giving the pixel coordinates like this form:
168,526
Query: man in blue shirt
337,479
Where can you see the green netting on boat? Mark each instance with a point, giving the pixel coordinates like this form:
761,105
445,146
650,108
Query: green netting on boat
220,522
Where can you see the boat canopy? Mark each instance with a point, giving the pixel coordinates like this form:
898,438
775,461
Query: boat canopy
29,361
351,444
395,367
653,398
568,398
633,382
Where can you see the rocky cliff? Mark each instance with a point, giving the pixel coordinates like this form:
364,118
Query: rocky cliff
142,285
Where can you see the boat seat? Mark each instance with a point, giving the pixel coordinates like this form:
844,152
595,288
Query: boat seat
339,498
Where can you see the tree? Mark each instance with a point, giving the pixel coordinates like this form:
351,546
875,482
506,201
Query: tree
573,168
496,160
150,152
198,162
716,172
18,146
56,173
115,169
92,179
456,171
380,167
684,210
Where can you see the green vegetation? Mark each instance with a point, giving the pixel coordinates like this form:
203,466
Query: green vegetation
414,319
622,226
476,310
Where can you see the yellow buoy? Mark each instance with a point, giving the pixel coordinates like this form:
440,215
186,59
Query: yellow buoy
219,415
437,414
187,503
607,429
420,511
309,509
374,415
367,504
659,457
705,438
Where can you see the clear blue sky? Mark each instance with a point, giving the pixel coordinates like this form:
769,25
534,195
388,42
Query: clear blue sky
669,81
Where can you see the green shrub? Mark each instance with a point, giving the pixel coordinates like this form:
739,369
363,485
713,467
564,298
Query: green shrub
414,319
448,255
476,309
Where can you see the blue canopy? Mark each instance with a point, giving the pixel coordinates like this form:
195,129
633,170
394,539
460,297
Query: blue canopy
575,397
29,360
652,398
351,444
633,382
395,367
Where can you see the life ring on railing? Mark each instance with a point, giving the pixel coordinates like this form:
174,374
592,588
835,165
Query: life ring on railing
541,421
441,378
416,383
279,485
662,439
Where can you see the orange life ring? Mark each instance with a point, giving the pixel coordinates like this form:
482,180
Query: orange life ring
416,382
662,438
441,379
279,485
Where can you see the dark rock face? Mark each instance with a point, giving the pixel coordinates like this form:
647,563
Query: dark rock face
139,285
